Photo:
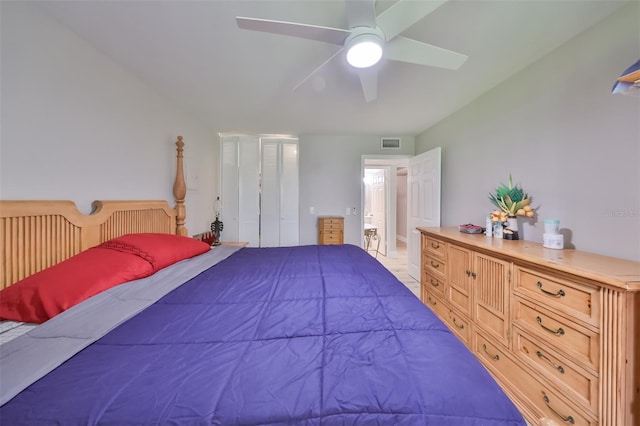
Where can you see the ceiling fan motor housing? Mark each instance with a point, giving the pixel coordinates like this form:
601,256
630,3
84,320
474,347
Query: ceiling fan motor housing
364,46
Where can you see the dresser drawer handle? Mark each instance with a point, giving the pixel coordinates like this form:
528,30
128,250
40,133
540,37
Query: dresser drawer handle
494,357
568,419
560,292
435,245
435,264
460,326
433,302
434,283
559,331
557,367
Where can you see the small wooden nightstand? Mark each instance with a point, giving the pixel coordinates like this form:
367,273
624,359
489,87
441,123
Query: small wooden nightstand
234,243
330,230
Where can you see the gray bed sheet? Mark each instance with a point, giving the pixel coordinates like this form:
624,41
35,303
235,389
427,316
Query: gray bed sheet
9,330
34,354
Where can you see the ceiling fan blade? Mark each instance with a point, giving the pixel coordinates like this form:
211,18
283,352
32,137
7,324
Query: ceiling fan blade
312,73
361,13
404,14
312,32
369,82
416,52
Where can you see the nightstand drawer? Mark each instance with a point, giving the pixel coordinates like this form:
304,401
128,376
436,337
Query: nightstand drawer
330,238
330,230
575,299
331,224
568,337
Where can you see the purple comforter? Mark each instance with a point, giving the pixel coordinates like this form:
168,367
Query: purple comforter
313,335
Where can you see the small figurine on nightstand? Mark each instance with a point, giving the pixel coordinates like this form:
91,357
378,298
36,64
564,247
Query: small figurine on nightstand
217,225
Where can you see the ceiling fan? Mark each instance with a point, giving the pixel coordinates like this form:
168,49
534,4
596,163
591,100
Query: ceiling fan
370,38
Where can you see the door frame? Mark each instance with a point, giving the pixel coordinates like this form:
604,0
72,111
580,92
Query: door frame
392,162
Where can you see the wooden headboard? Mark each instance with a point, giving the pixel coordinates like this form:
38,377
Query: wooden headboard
37,234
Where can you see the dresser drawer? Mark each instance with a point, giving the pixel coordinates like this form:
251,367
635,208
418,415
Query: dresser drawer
434,303
574,299
568,337
459,325
577,384
434,284
435,267
436,248
545,401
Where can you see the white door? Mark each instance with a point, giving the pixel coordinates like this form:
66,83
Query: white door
423,202
230,192
279,193
289,195
248,191
269,196
260,190
378,209
240,189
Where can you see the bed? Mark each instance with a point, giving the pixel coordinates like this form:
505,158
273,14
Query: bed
313,335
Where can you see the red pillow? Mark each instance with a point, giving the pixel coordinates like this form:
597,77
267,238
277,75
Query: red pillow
47,293
161,250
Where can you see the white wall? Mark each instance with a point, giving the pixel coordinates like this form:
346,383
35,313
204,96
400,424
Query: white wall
557,128
331,179
77,126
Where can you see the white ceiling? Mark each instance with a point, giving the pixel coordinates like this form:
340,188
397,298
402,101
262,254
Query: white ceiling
234,80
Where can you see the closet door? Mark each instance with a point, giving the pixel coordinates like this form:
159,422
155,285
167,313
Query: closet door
229,193
270,195
240,189
248,191
289,204
260,190
279,193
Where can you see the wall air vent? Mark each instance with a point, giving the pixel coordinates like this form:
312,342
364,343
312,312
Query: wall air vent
391,143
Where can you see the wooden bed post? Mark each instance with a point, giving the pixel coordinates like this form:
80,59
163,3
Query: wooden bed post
180,191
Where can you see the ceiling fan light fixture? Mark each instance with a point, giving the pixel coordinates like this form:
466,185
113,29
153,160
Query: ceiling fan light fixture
364,48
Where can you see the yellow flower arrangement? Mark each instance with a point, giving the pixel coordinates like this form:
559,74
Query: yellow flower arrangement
511,200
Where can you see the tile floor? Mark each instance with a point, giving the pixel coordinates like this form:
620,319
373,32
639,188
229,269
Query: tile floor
398,266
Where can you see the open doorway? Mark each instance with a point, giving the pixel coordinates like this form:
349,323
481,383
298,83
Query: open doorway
384,204
375,209
420,206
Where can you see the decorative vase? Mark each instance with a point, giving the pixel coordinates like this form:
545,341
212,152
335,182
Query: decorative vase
511,231
216,228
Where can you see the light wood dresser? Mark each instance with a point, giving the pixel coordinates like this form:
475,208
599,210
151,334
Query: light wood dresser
558,329
330,230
